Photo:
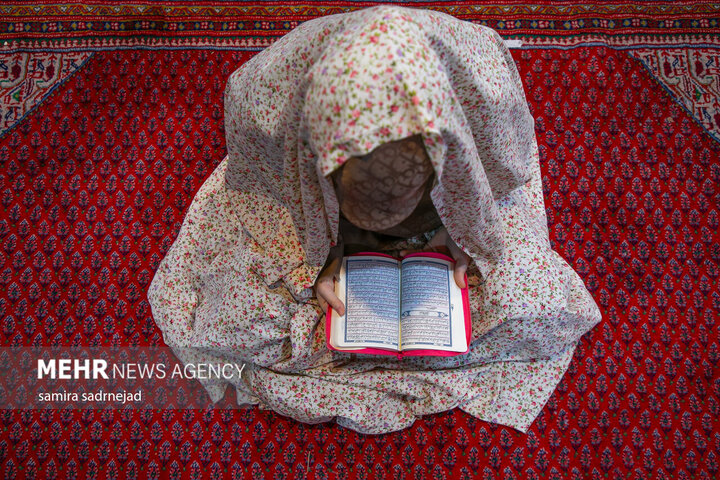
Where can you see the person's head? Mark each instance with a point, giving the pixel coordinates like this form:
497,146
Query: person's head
381,189
340,90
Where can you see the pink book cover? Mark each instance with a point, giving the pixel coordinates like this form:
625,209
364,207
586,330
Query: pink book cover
411,353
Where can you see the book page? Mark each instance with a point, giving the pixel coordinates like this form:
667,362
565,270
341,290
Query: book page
370,289
432,316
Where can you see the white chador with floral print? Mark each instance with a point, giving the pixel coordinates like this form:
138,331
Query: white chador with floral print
237,282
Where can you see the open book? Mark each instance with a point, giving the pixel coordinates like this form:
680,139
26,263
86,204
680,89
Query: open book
399,307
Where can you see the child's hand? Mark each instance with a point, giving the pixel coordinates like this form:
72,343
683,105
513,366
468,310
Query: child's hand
325,284
442,243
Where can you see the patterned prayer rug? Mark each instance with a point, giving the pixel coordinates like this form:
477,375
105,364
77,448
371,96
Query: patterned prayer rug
111,118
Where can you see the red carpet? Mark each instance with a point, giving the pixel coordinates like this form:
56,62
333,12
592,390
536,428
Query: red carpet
95,178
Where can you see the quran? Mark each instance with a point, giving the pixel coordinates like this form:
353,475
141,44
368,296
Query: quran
405,307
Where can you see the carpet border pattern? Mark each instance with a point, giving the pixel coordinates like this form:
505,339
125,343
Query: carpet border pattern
111,25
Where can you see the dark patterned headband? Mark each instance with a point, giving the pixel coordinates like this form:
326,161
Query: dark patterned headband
381,189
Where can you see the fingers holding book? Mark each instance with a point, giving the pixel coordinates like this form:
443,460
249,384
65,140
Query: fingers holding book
325,286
